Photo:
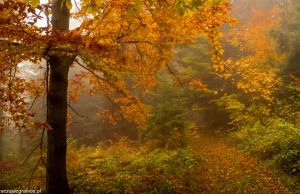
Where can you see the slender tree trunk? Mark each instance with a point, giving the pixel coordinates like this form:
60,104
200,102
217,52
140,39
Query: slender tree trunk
1,149
1,132
57,182
140,131
21,140
140,135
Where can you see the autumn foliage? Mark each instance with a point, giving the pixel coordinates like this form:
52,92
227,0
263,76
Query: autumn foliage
160,68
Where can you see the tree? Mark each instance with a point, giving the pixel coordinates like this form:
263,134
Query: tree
116,39
194,61
167,125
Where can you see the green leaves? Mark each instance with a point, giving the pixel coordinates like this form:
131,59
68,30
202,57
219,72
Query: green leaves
68,4
198,3
34,3
135,7
185,7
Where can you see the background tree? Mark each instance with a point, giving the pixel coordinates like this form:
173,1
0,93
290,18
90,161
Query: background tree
168,126
265,98
203,84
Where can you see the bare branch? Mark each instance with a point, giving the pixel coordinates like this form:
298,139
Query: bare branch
76,111
181,84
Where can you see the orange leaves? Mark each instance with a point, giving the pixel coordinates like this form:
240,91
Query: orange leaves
128,107
120,45
256,73
255,37
135,112
158,26
210,20
197,84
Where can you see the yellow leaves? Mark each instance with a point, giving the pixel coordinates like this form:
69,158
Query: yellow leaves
216,2
69,120
69,4
74,95
257,76
234,41
218,63
296,83
87,9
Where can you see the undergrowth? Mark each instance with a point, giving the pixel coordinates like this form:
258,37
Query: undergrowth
114,167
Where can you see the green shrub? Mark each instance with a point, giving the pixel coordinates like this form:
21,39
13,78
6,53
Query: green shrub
116,167
278,141
122,168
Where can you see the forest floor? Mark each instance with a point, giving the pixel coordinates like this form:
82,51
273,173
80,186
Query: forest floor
228,170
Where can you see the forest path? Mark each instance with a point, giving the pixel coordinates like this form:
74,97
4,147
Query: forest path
228,170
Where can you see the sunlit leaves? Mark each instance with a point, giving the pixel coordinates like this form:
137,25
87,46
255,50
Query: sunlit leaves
197,84
69,4
117,40
253,78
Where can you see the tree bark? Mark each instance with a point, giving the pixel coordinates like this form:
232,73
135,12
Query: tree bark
1,132
1,149
57,181
57,117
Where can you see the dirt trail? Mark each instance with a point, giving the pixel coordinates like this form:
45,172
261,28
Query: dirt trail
228,170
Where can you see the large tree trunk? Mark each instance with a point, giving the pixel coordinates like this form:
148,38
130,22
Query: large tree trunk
57,181
57,117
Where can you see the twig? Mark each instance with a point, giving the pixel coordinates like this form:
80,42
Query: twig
174,75
30,154
33,173
98,77
76,111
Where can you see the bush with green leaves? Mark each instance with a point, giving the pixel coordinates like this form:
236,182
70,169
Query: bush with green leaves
272,137
112,167
277,140
121,167
20,174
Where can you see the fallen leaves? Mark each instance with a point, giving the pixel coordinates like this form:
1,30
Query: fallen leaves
228,170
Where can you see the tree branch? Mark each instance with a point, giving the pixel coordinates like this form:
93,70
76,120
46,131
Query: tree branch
76,111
